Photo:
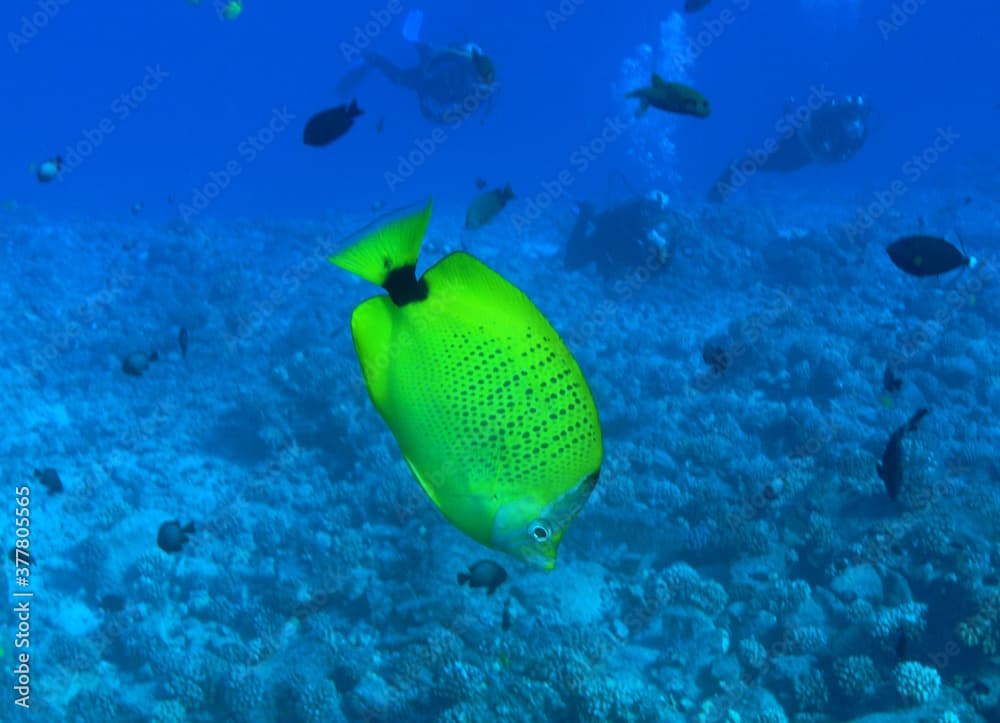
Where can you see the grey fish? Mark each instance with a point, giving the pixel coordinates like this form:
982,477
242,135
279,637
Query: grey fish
486,206
671,97
484,573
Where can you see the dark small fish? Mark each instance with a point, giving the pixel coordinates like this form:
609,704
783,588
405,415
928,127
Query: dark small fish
902,643
49,479
138,362
980,688
182,342
890,469
480,184
927,256
716,357
112,603
890,382
693,6
327,126
505,621
671,97
484,573
770,493
172,537
484,67
486,206
380,126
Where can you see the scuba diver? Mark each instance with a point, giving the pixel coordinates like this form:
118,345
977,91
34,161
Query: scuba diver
832,133
623,238
450,82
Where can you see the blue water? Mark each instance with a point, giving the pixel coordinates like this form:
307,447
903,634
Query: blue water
740,558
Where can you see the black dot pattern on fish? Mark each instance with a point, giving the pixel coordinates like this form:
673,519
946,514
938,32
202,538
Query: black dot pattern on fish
522,407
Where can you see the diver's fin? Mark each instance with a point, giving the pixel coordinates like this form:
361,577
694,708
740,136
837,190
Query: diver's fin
643,106
658,82
352,79
411,26
463,578
386,249
911,425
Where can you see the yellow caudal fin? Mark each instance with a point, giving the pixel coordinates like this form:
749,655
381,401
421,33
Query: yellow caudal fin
393,246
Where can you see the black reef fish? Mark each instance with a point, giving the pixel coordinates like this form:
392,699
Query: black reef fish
138,362
927,256
112,603
890,382
172,536
49,479
327,126
890,469
484,573
715,356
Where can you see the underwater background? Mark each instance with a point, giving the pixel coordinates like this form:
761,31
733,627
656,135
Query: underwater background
739,559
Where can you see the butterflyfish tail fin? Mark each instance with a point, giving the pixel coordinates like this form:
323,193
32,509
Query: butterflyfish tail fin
387,249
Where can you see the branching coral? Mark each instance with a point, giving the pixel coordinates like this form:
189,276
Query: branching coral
917,683
856,676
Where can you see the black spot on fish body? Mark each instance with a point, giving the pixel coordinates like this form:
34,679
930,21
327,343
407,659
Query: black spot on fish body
403,285
327,126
